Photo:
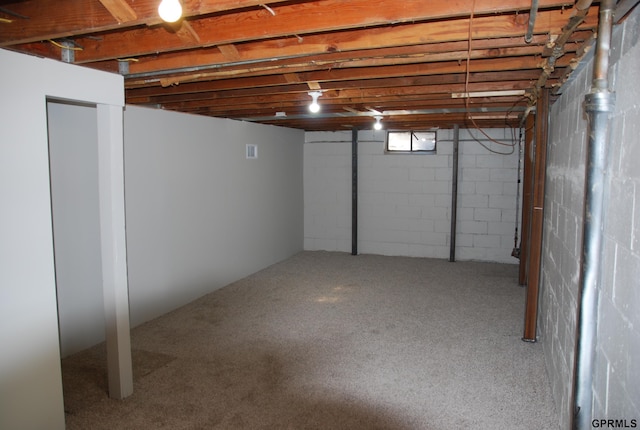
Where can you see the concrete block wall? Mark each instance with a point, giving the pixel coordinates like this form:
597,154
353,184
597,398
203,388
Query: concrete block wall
615,387
404,200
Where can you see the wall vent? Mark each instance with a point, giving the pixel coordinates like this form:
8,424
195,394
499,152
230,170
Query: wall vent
252,151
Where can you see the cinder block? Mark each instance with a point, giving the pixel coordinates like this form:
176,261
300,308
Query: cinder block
475,174
437,187
488,187
442,226
419,225
421,174
504,202
443,147
494,188
434,213
630,153
620,214
501,228
487,214
464,240
473,227
404,211
467,161
465,214
492,161
486,241
626,287
473,201
432,161
635,227
509,216
444,174
443,201
433,238
468,188
504,175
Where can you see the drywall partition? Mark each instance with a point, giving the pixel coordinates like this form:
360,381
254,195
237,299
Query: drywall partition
200,215
405,200
73,149
617,354
30,379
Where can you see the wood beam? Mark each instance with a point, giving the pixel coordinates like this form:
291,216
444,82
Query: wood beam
229,52
140,42
321,74
527,207
54,19
238,88
120,10
187,34
537,218
374,95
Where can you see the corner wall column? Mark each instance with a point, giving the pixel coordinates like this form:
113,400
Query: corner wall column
113,248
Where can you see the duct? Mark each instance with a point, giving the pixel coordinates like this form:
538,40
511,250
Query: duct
599,104
532,21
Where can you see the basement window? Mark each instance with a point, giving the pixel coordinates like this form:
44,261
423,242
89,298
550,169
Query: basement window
410,142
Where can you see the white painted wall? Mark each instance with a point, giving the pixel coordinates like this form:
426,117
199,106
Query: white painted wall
73,150
404,203
30,379
199,214
617,351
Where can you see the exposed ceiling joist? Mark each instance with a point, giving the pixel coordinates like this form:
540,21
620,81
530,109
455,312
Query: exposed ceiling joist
258,60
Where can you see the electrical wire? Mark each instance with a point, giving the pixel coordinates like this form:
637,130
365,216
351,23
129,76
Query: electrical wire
59,45
271,11
467,107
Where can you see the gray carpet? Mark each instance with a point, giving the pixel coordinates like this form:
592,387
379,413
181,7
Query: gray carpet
331,341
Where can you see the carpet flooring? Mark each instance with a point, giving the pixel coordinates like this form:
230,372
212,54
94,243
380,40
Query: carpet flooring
331,341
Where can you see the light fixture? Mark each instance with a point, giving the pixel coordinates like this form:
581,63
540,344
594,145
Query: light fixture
170,10
378,124
314,107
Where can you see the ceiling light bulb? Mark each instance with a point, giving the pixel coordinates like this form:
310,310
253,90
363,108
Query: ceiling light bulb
378,124
314,107
170,10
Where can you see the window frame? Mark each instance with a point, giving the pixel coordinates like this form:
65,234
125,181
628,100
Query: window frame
411,150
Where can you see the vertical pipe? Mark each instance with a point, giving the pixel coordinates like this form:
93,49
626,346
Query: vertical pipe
354,191
599,103
454,192
532,21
